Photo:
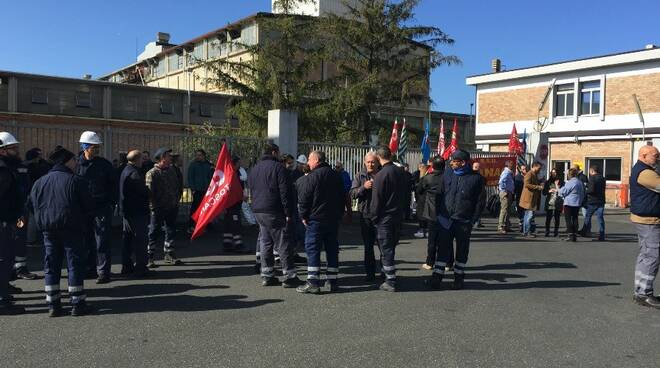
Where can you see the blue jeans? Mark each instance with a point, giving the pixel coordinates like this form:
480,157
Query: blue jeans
321,235
527,221
599,212
159,220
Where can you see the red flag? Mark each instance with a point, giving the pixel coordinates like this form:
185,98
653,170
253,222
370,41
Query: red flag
224,191
394,140
453,145
441,139
514,143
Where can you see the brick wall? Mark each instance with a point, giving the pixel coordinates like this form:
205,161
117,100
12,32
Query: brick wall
618,93
578,152
518,104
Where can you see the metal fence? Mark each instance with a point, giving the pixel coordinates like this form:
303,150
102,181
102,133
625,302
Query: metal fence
48,136
352,156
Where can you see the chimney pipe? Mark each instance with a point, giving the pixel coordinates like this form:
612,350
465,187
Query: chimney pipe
496,64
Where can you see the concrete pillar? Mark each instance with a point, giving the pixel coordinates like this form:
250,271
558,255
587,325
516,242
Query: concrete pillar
283,130
13,94
107,102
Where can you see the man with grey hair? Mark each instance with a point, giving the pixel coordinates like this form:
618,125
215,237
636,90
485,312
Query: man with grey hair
134,208
361,191
645,216
320,203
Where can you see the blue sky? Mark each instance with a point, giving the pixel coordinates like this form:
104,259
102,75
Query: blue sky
74,37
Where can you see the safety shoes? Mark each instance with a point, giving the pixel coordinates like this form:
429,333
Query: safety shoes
270,281
388,287
291,283
458,282
82,309
23,274
308,288
647,301
171,259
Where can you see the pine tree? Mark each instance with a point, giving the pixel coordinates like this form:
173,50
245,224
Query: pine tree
275,72
382,62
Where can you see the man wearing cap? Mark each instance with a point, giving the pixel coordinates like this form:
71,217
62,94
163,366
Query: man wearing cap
101,178
460,191
200,172
60,202
165,186
10,214
134,208
386,213
272,207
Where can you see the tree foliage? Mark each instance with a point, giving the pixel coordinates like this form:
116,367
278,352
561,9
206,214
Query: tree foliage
344,75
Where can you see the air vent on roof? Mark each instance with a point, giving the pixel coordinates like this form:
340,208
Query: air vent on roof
650,46
162,37
496,64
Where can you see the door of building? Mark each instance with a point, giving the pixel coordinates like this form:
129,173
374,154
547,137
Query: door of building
561,167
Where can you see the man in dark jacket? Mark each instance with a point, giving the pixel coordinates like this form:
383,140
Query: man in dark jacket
165,186
519,183
37,167
361,191
134,209
429,189
100,176
461,190
321,203
595,203
11,211
387,202
60,203
272,207
20,228
200,172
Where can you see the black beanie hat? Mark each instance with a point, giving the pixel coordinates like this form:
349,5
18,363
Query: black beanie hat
60,156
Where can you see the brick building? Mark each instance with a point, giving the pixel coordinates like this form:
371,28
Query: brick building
595,111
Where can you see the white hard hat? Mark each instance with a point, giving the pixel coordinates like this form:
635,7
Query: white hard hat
302,159
6,139
90,138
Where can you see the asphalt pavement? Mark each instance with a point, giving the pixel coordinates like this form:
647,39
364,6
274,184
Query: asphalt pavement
540,303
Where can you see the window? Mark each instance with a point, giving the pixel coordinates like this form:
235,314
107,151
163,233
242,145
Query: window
590,98
249,35
214,49
205,110
175,62
564,100
40,96
197,54
166,107
609,167
83,99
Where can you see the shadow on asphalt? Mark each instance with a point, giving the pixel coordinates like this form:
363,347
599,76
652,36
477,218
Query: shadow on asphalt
523,266
178,303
